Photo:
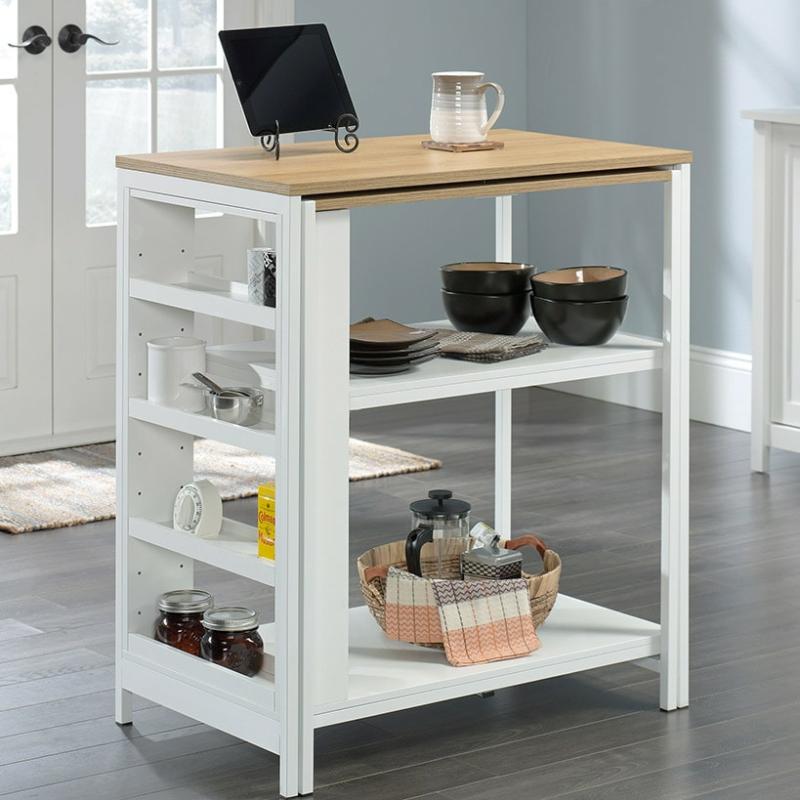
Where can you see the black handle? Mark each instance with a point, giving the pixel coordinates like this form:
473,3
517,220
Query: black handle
35,40
71,38
414,542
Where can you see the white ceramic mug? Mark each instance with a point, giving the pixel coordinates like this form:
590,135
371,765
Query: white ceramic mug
458,107
171,361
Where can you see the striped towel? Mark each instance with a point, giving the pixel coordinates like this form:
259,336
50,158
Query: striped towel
485,620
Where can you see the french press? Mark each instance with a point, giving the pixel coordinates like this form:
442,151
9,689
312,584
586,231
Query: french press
445,522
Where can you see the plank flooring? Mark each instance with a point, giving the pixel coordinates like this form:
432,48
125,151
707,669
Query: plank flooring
587,478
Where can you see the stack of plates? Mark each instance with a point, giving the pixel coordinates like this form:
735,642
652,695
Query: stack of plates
385,347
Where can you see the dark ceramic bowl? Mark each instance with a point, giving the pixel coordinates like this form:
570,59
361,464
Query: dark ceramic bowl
487,313
579,323
487,277
581,284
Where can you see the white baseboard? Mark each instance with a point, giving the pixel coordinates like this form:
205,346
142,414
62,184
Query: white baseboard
720,388
36,444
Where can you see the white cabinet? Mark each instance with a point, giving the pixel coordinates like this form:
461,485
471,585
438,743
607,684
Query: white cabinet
776,283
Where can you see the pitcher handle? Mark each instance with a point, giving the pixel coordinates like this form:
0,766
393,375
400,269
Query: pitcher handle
501,100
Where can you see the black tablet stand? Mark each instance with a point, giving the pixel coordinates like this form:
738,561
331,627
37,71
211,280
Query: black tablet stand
347,143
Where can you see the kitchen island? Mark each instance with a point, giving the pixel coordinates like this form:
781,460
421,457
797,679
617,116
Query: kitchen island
328,663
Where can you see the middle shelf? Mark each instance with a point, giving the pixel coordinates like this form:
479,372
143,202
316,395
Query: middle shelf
253,363
234,550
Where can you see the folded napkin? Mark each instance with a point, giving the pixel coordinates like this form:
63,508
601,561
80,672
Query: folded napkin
485,620
487,347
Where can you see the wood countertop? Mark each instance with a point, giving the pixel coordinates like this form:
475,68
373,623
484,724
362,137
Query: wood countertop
396,165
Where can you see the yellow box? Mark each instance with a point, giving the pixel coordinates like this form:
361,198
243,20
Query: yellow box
266,520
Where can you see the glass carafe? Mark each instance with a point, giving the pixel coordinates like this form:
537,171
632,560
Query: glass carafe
443,521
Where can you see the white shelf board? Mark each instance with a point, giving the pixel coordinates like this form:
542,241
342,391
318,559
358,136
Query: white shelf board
385,675
239,705
447,377
204,298
234,550
259,438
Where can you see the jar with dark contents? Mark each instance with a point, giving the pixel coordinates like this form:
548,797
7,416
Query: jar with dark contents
232,640
181,621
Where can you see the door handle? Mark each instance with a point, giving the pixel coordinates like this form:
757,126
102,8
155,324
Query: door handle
34,40
71,38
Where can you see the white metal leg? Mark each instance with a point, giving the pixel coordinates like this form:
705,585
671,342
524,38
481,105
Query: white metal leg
502,402
502,228
761,402
325,464
288,477
675,447
502,461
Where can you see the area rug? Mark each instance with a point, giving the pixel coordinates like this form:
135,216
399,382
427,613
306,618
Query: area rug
60,488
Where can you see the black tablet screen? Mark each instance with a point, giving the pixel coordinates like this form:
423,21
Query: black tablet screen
288,73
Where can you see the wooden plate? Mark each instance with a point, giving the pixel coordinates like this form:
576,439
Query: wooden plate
387,369
423,349
386,333
385,359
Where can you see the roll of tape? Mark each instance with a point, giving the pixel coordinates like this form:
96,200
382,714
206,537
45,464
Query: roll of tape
198,510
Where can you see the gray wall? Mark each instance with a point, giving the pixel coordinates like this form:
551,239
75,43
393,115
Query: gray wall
666,72
672,73
388,50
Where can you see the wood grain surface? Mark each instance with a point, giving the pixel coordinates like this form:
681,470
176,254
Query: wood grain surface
316,168
587,479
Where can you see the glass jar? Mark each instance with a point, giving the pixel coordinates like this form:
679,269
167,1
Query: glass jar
181,621
232,640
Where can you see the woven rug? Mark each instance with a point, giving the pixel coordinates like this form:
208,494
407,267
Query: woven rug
60,488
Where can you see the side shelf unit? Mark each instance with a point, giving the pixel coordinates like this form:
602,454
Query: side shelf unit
305,365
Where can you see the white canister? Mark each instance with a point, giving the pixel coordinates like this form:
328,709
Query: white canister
170,364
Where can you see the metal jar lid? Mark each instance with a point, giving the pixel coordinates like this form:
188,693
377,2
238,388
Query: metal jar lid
185,601
440,503
230,619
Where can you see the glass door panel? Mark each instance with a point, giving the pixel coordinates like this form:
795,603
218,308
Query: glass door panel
163,87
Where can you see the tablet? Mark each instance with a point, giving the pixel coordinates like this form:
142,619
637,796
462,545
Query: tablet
287,73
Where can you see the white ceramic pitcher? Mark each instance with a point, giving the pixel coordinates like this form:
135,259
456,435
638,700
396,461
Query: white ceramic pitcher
458,107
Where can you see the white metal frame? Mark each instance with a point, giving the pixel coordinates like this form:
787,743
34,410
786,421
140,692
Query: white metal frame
364,674
761,404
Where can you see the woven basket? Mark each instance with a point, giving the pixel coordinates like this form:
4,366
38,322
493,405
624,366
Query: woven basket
373,567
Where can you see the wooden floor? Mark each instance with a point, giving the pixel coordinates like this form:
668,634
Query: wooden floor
587,479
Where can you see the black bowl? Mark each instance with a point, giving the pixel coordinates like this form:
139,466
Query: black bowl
579,323
487,313
581,284
487,277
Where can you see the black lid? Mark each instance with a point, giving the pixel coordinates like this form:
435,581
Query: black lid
440,504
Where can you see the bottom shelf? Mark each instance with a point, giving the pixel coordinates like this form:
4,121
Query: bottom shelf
241,706
388,676
384,675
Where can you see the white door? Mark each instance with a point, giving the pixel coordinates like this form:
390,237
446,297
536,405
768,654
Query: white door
162,87
25,287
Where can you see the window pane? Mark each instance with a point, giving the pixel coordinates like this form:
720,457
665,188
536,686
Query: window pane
123,21
187,33
8,159
8,26
187,112
117,122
